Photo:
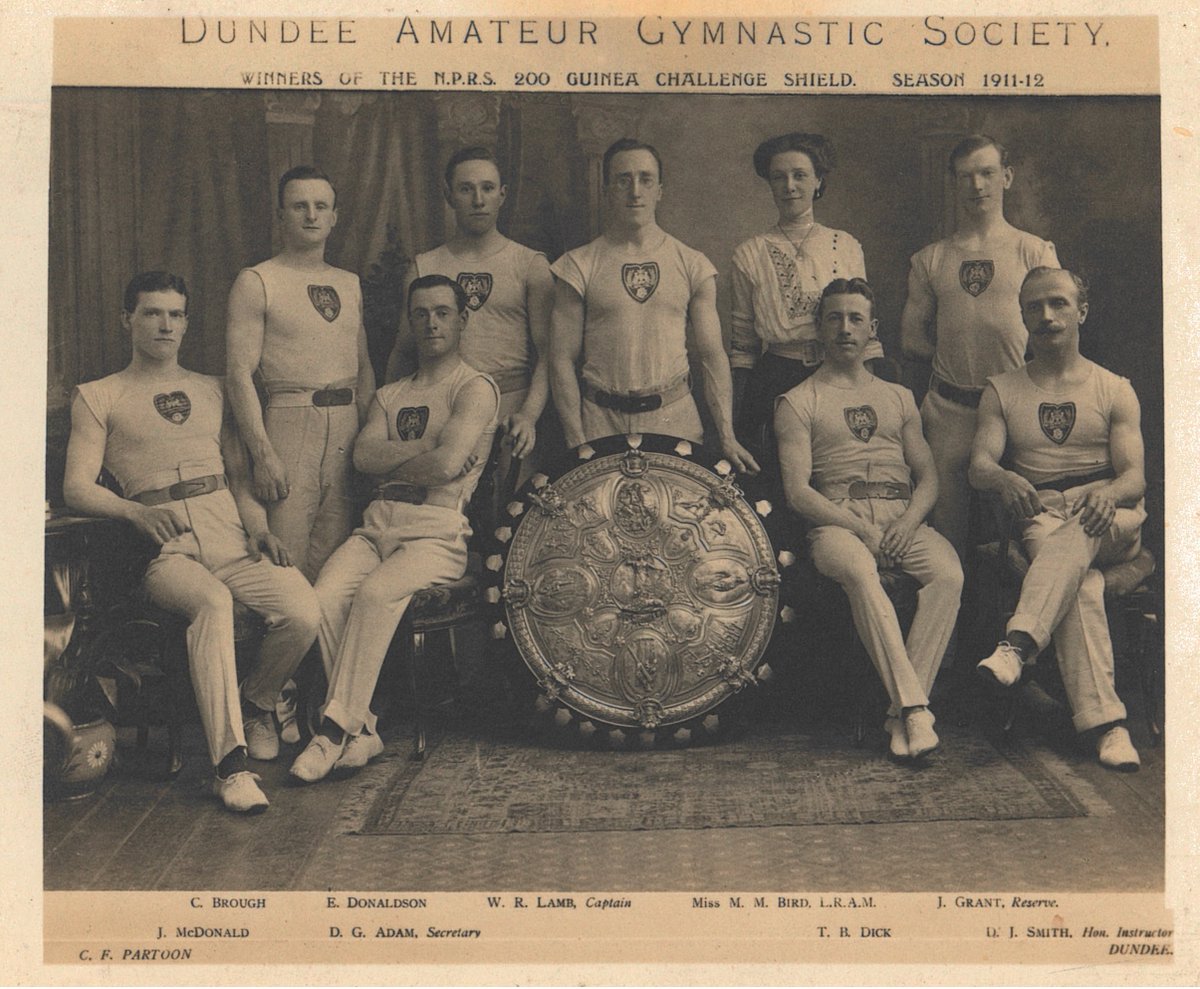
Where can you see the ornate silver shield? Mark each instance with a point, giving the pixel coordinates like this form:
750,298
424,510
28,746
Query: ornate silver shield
640,589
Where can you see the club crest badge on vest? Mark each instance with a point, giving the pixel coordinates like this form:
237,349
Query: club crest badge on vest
976,276
478,286
411,422
325,301
1057,421
862,421
173,406
640,280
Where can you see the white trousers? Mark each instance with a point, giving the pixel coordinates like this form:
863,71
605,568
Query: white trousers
1062,598
906,667
199,575
316,446
364,589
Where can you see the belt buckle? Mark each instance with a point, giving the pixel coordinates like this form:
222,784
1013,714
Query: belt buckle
645,403
858,490
187,489
326,397
895,490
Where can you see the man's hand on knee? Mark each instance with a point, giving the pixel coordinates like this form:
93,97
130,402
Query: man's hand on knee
1019,497
1096,510
269,545
160,524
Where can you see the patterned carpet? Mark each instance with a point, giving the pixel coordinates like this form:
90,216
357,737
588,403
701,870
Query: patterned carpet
765,779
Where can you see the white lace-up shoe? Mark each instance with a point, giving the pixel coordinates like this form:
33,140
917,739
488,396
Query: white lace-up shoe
240,792
1116,751
360,749
262,742
317,759
1003,666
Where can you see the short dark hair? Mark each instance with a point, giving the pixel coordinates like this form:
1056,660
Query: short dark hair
437,281
629,144
153,281
1081,284
304,172
818,148
846,286
475,153
976,142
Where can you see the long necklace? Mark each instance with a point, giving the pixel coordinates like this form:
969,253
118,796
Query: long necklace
797,246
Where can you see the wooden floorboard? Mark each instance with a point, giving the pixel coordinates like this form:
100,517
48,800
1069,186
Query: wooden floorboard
87,848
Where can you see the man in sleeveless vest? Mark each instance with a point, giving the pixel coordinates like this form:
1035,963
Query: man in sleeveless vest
510,293
297,322
628,303
426,441
850,448
162,431
1070,434
962,312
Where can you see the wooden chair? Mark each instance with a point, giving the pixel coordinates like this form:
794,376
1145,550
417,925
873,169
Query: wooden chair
807,592
153,643
1133,595
448,607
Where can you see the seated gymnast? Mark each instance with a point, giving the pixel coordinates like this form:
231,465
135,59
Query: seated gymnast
426,440
165,433
850,450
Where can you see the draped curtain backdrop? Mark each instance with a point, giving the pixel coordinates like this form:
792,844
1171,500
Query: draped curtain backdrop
181,180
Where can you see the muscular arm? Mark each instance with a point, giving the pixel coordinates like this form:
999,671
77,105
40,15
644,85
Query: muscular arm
455,451
718,385
985,472
1127,452
539,303
566,344
744,344
917,323
245,326
85,456
795,462
250,509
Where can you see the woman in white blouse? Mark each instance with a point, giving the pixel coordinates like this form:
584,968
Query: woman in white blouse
777,281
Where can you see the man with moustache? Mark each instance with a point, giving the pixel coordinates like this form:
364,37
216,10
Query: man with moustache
962,312
163,433
629,303
425,442
296,321
850,450
1068,433
510,293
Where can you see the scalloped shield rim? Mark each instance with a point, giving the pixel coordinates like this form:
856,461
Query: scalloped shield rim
556,685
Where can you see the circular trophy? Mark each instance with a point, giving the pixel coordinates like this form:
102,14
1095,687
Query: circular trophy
639,586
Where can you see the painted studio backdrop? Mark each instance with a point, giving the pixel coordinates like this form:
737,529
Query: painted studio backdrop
185,180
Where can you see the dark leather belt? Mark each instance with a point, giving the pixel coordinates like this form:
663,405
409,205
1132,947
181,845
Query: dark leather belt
629,404
332,396
960,396
1076,480
886,490
191,488
414,494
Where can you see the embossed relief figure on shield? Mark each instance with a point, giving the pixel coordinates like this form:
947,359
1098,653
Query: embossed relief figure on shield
777,278
857,468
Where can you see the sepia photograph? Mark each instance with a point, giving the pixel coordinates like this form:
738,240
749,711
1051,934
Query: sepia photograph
582,470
